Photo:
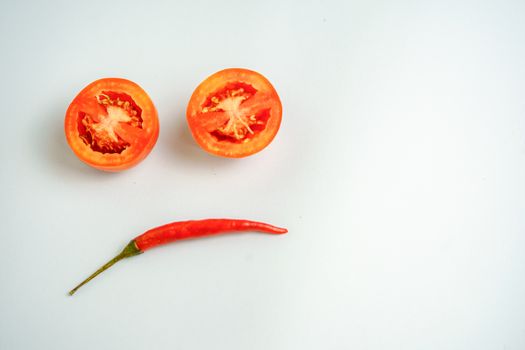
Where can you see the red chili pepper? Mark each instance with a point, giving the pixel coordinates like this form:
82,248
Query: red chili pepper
182,230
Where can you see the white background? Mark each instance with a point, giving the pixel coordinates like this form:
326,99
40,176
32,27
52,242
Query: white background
399,170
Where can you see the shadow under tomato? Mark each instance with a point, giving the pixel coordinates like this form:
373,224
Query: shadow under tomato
188,151
56,150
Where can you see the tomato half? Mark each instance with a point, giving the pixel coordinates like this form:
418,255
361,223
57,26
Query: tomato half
112,124
234,113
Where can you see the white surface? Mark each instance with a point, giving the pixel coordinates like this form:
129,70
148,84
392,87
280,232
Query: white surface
399,170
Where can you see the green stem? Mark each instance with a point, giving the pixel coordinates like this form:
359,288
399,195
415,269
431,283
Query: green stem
130,250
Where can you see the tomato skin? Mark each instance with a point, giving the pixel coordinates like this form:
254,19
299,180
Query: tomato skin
136,140
213,130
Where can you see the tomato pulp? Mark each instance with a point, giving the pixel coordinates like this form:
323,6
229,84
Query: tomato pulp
112,124
234,113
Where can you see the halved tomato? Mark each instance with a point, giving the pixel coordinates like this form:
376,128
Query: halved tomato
112,124
234,113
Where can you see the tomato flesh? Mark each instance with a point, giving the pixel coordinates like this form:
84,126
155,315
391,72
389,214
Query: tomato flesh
103,132
234,113
112,124
235,124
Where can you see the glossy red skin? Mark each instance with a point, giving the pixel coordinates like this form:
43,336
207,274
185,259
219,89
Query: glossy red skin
141,144
199,228
266,97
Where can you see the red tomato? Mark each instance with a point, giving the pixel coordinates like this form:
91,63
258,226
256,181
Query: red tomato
112,124
234,113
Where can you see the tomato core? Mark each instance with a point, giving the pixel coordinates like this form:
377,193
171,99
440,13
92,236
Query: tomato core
102,130
237,126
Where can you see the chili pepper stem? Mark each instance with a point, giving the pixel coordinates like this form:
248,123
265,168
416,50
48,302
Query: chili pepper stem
130,250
